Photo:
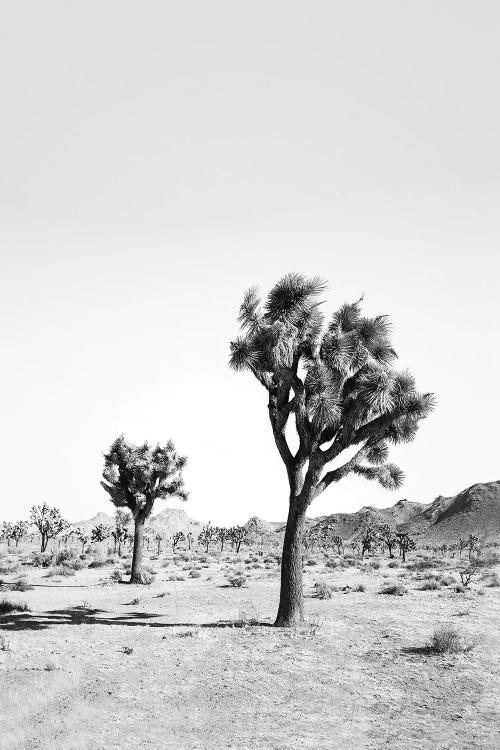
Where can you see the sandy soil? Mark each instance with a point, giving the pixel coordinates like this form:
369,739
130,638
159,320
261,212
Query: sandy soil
196,680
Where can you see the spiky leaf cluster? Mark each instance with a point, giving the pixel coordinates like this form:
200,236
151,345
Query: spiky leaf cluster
337,377
137,475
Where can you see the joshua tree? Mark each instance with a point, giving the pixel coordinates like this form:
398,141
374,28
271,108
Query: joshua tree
48,521
238,535
353,544
462,544
100,533
405,543
472,543
388,537
189,539
82,536
158,540
7,531
368,538
340,387
177,537
19,529
221,534
136,476
339,544
206,535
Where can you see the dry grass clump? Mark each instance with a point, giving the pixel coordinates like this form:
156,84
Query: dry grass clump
236,578
194,574
394,589
448,640
7,606
494,581
431,584
322,590
248,614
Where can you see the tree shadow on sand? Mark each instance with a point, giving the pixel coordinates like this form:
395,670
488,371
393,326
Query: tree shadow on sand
87,616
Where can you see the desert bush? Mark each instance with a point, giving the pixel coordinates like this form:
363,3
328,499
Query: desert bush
311,562
7,606
98,564
194,574
419,565
431,583
394,589
374,564
361,588
180,578
42,559
487,561
116,575
448,640
314,624
64,556
393,564
468,574
248,614
447,580
236,578
60,570
331,563
322,590
9,569
21,585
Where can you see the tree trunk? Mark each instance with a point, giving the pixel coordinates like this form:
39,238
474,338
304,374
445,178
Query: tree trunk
135,574
291,606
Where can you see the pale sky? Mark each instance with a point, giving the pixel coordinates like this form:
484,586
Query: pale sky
157,158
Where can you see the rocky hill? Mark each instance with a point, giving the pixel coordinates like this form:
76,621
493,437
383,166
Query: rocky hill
474,510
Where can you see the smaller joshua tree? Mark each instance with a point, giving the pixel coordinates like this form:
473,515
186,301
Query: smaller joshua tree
462,544
82,536
221,535
405,543
206,535
49,523
100,533
7,531
388,537
338,542
189,539
472,544
135,477
368,539
238,535
158,540
177,538
19,529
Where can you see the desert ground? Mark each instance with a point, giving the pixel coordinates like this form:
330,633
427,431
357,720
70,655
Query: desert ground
192,662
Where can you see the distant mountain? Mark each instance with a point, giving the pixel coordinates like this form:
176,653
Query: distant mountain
103,518
474,510
171,520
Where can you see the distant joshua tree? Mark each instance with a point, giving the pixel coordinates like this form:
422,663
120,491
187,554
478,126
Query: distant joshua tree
158,540
177,538
405,544
49,523
472,544
368,539
462,544
387,536
221,535
189,539
82,536
100,533
338,542
206,535
238,535
136,476
340,387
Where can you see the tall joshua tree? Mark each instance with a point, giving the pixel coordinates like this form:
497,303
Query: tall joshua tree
134,477
338,383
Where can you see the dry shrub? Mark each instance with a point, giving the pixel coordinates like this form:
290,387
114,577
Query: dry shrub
431,584
236,578
322,590
394,589
7,606
448,640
